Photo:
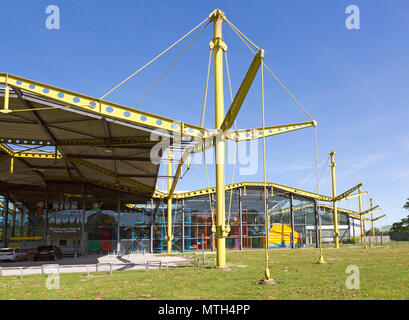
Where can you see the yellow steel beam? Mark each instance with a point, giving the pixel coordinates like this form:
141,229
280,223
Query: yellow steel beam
351,213
351,196
257,133
115,186
330,207
104,108
207,191
347,193
380,217
22,154
376,208
79,142
357,217
200,146
7,149
92,166
37,155
242,92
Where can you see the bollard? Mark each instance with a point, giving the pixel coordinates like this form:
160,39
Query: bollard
21,273
110,269
1,271
87,270
96,267
146,266
160,265
166,266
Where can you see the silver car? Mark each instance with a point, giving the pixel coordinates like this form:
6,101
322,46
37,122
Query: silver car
12,254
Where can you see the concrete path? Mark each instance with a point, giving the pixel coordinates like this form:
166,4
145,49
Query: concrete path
90,264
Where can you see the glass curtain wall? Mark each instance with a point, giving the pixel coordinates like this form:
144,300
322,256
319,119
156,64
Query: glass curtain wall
92,225
136,227
327,226
197,221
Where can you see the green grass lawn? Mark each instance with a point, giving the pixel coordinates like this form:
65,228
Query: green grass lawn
384,274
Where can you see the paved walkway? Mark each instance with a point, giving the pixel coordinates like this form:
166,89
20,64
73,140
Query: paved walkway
90,264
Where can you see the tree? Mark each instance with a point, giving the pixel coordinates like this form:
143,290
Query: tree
403,225
377,232
406,205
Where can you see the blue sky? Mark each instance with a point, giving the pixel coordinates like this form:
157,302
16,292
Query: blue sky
353,82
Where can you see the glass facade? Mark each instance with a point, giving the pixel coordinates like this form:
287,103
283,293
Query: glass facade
87,224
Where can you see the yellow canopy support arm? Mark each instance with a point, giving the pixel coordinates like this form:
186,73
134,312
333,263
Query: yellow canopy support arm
376,208
354,195
379,218
347,193
242,92
198,147
257,133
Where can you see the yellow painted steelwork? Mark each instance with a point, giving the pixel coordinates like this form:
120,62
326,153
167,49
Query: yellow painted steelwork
361,220
78,142
169,236
347,193
242,92
6,149
354,196
372,221
218,46
334,202
112,174
104,108
376,208
257,133
6,98
207,191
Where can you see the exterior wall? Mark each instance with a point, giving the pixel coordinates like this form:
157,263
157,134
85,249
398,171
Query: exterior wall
90,227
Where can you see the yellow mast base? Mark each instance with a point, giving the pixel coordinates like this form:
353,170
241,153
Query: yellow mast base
321,260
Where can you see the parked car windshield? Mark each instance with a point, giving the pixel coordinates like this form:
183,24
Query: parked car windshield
44,248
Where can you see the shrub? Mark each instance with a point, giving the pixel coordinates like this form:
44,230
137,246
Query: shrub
351,240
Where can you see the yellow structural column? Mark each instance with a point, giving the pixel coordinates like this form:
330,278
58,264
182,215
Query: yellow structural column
169,236
218,46
334,202
373,229
361,221
6,97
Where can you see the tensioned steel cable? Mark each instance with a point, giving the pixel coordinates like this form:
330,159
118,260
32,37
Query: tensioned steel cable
172,64
148,63
241,35
236,143
266,224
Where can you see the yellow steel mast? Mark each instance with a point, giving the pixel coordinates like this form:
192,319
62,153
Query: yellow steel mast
218,46
334,202
169,236
361,219
373,229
